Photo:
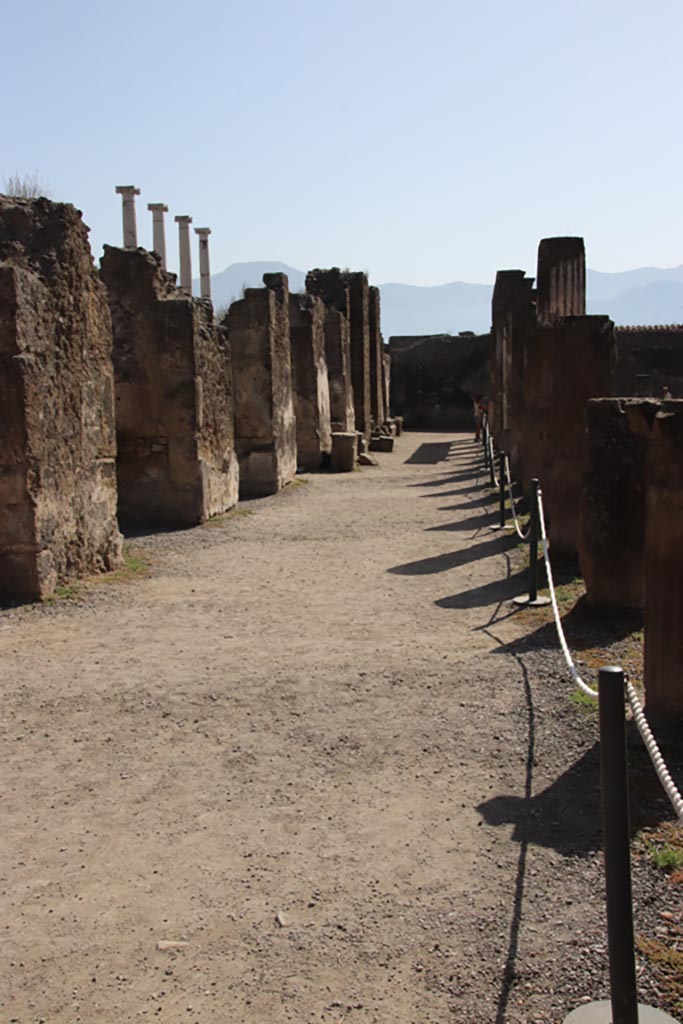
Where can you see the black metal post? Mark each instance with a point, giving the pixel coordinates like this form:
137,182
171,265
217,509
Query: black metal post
486,444
501,470
492,468
533,540
615,818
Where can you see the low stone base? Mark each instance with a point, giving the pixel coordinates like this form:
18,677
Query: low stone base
383,443
343,452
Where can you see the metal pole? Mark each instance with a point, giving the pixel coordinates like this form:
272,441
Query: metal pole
501,470
492,471
533,541
614,784
486,444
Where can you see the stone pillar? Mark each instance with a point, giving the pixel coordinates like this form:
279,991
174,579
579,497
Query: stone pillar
130,231
664,566
204,268
176,463
513,319
378,410
359,318
561,278
183,223
565,365
265,426
309,379
57,439
331,287
386,383
613,500
159,230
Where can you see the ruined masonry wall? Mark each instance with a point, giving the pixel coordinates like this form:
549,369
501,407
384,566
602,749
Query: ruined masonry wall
359,316
57,439
174,418
265,426
378,410
330,286
309,379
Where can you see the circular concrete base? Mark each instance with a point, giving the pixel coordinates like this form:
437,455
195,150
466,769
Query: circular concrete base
539,602
508,526
601,1013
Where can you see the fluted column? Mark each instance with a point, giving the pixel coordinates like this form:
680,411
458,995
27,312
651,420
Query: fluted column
130,233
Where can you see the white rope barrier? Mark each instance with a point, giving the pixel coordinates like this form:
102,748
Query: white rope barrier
638,714
653,750
518,528
492,457
573,671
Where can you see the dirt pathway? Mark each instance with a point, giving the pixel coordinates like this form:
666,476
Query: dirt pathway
303,750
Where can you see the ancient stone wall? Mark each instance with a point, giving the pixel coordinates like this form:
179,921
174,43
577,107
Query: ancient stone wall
649,359
57,439
560,279
433,380
386,383
330,286
378,410
176,462
612,517
265,426
664,565
309,380
566,364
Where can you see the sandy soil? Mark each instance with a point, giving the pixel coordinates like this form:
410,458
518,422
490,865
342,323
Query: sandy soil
306,752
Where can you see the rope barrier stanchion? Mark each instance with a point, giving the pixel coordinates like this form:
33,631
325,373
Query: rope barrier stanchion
500,482
485,434
532,599
623,1006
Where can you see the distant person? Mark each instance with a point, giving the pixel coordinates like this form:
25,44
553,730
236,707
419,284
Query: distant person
665,392
478,416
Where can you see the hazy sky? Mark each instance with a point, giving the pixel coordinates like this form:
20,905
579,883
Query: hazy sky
424,142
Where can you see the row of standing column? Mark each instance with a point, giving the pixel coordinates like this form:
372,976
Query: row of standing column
130,239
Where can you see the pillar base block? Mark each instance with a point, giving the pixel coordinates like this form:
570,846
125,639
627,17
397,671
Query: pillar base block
601,1013
524,602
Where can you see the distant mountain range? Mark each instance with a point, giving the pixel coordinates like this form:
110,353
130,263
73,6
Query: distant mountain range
649,295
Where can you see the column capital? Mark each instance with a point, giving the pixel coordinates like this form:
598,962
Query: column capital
127,190
202,231
157,206
183,219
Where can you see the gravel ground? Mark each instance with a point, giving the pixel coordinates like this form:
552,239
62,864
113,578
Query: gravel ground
311,767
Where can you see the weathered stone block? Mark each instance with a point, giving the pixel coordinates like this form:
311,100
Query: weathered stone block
381,444
386,382
343,451
664,565
176,462
612,518
309,379
566,364
513,314
265,425
330,286
57,439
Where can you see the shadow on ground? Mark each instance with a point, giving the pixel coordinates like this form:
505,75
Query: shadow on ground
430,453
489,593
584,629
454,559
477,522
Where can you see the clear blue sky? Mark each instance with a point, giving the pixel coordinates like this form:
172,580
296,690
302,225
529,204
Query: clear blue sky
425,142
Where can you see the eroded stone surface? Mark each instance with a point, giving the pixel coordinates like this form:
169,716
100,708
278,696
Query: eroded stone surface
331,287
560,278
378,409
664,564
309,380
174,413
265,426
612,516
57,439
